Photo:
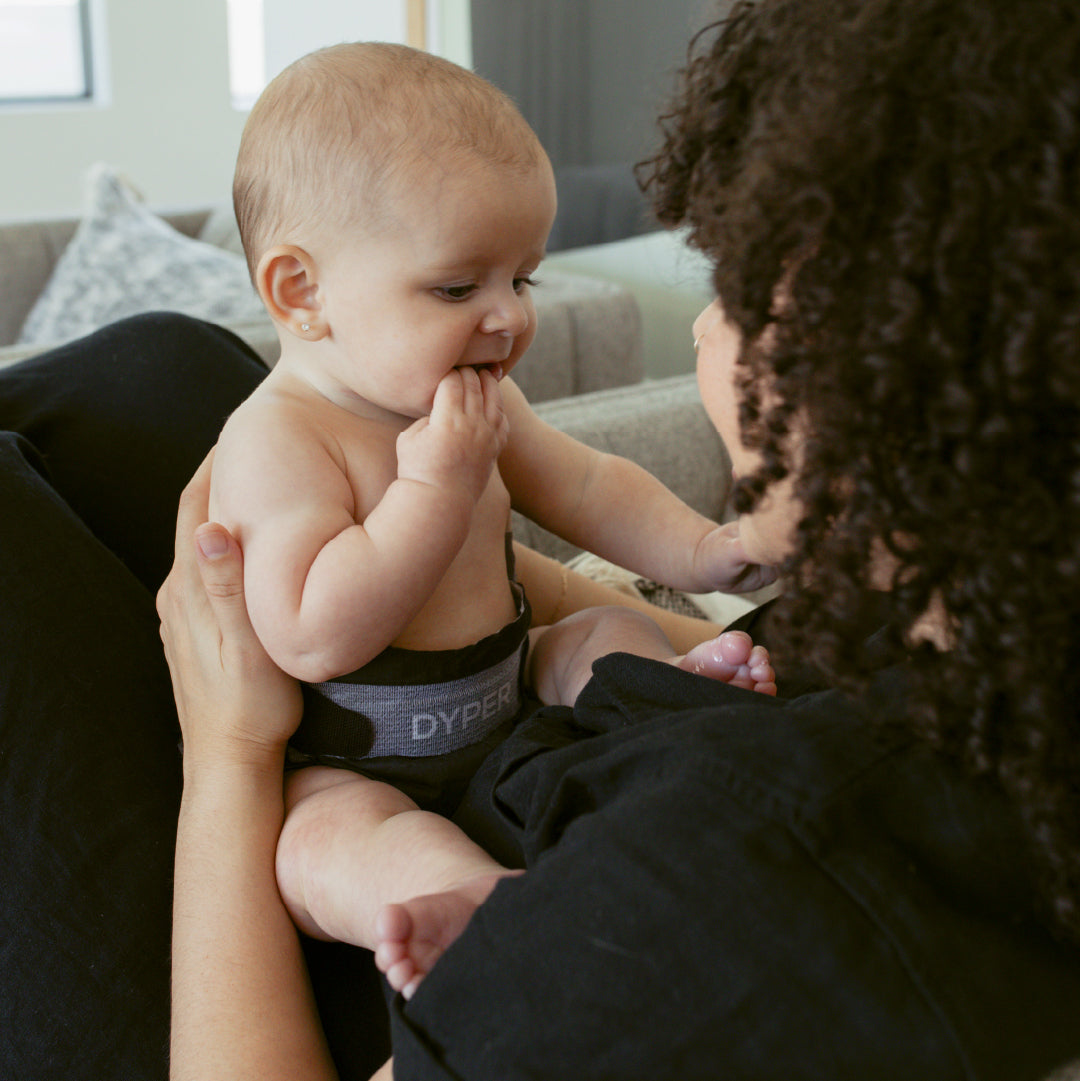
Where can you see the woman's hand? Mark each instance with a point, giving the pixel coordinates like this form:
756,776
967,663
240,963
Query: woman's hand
242,1005
232,699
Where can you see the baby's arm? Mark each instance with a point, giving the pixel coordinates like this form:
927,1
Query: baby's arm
611,506
326,592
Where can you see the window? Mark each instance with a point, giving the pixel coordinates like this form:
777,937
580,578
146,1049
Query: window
247,51
265,35
45,51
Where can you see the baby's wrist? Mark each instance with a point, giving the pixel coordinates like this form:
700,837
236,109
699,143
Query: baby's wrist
447,494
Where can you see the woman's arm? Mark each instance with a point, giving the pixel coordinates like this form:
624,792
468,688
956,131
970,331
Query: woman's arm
555,591
242,1004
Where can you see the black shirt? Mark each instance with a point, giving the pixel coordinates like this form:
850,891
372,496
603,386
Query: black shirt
724,885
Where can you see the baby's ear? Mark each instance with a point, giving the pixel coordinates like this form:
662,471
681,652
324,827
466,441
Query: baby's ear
286,281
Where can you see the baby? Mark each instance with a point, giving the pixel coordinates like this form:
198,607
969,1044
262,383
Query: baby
394,208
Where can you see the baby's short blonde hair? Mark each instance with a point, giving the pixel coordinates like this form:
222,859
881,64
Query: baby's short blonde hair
339,127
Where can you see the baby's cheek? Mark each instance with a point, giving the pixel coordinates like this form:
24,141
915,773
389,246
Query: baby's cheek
525,338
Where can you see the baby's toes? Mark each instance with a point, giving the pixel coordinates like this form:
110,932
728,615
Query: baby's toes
736,647
388,954
403,977
761,668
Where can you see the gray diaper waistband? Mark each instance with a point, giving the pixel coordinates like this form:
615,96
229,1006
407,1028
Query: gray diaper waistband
431,718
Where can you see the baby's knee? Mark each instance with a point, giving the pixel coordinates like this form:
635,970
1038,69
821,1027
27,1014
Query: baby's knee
318,798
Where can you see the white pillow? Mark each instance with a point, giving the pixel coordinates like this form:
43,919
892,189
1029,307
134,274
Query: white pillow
123,260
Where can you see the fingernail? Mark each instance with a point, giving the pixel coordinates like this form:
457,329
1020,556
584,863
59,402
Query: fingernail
212,544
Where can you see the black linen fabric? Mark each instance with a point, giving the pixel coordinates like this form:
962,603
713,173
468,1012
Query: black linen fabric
724,885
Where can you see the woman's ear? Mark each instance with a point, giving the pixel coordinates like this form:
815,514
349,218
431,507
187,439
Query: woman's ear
287,282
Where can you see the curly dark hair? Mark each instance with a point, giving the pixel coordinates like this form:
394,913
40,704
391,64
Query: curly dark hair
909,170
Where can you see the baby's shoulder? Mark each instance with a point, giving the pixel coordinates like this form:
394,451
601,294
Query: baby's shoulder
268,408
295,442
271,435
278,421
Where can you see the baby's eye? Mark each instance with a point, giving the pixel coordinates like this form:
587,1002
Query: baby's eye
456,292
521,283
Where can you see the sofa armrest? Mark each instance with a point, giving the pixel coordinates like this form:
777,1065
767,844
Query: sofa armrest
588,338
659,424
28,253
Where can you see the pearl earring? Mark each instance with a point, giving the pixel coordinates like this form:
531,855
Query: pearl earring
305,327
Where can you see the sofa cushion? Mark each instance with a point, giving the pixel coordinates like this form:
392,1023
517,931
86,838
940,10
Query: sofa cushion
123,259
670,281
221,230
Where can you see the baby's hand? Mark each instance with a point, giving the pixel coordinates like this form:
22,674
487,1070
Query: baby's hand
722,562
456,446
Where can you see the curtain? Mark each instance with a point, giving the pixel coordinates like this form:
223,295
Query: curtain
538,52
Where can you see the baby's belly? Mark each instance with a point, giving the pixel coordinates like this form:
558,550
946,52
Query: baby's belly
469,604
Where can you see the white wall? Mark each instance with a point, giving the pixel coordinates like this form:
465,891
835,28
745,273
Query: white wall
168,122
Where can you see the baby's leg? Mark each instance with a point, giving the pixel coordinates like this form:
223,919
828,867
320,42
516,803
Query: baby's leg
351,846
561,656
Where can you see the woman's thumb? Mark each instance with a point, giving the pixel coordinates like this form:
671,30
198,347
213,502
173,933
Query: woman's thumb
220,563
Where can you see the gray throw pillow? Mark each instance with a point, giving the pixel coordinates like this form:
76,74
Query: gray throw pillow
123,259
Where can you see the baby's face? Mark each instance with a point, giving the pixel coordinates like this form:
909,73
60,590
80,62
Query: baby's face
446,284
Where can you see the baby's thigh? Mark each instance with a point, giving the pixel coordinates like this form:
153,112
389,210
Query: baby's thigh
321,797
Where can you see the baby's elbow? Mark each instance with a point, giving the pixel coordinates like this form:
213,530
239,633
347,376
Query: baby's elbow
316,650
315,664
316,667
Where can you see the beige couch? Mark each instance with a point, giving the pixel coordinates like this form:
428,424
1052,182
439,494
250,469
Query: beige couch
583,371
589,337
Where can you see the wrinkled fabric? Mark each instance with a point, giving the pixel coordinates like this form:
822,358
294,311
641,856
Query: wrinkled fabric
97,440
726,885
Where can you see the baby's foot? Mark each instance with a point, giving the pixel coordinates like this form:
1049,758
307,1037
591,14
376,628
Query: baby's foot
412,936
732,658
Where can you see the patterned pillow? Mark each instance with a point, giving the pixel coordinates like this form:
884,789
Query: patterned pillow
123,260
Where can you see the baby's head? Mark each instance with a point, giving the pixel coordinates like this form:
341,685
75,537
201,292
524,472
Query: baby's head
343,128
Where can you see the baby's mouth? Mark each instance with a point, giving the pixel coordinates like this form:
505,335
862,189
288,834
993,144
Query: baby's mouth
495,367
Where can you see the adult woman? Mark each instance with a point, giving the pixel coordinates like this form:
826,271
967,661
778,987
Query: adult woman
875,881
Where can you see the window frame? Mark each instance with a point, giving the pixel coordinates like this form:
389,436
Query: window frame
89,71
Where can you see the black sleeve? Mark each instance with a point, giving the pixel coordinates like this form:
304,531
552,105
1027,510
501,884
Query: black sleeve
703,900
122,419
89,789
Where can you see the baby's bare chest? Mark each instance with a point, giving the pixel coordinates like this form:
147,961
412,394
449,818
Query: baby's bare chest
473,598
